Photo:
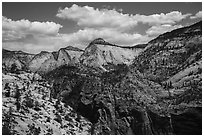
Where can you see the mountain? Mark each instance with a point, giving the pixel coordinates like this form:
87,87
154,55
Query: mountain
158,93
47,61
20,58
74,53
100,54
171,52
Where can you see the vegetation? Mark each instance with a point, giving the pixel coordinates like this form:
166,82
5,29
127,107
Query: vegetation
33,130
14,68
29,102
7,120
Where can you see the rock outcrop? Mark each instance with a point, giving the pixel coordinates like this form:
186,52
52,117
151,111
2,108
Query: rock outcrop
171,52
47,61
100,54
19,58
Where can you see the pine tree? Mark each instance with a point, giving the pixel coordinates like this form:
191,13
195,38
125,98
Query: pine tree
13,68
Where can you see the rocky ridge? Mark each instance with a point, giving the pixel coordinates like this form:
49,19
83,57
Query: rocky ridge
100,53
21,59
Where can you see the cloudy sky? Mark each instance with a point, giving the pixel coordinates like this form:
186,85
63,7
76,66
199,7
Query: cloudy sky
33,27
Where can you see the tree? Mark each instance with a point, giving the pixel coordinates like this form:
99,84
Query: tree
29,102
7,119
18,105
17,95
7,94
33,130
13,68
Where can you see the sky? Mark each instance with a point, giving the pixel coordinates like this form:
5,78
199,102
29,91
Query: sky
48,26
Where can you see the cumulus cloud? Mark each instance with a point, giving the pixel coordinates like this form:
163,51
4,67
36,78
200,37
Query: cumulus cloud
30,36
85,36
109,24
159,29
156,19
105,18
197,15
36,44
13,30
80,39
94,18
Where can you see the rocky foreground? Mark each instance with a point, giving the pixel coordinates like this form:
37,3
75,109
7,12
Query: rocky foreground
28,109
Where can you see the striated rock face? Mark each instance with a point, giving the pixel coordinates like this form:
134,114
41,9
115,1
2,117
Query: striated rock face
38,59
171,52
62,58
100,53
19,58
74,53
47,61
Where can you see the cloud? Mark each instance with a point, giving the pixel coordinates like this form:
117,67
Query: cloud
79,39
13,30
106,18
197,15
156,19
30,36
159,29
36,44
109,24
85,36
94,18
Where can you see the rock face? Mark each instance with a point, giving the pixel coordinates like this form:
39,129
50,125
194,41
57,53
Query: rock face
171,52
100,53
47,61
74,53
19,58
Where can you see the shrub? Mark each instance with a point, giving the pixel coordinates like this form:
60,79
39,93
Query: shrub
14,68
29,102
49,131
32,130
37,106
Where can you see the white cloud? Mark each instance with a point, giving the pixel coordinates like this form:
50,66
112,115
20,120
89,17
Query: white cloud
13,30
197,15
111,25
84,37
30,36
36,44
79,39
94,18
159,29
156,19
105,18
